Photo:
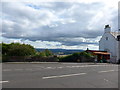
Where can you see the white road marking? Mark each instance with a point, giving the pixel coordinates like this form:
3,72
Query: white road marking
50,68
4,82
106,71
68,66
6,70
86,66
63,76
106,80
37,69
73,66
29,69
59,67
18,69
79,66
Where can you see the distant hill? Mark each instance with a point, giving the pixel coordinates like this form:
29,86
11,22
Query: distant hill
61,51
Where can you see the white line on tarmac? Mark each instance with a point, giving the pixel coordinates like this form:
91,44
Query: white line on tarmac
18,69
85,66
50,68
106,80
37,69
59,67
6,70
4,81
63,76
47,67
106,71
28,69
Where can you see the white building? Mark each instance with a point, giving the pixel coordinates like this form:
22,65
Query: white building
110,43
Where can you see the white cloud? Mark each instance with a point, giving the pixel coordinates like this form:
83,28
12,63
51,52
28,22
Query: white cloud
71,24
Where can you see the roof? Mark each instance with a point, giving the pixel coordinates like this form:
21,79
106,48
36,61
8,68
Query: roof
98,52
103,53
95,51
115,34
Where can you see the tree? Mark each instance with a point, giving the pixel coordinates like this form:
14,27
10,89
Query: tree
48,52
45,53
5,48
40,54
17,49
87,55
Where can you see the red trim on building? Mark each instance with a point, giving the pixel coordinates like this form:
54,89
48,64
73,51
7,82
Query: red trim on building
101,55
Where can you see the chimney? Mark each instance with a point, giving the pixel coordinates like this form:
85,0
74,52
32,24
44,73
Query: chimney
107,29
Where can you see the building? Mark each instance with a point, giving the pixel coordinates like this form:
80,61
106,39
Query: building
110,43
118,38
101,55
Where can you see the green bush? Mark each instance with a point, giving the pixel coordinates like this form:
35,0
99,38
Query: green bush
40,54
86,55
17,49
5,58
75,57
69,58
45,53
48,52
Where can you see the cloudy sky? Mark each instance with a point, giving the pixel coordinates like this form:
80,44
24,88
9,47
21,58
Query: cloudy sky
64,24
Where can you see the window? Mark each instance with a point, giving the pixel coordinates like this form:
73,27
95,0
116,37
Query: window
106,38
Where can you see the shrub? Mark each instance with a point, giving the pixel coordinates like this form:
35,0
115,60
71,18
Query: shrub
45,53
17,49
76,57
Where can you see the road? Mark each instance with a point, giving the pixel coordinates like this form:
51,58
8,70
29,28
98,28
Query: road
59,75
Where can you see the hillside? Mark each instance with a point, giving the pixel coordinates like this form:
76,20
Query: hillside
61,51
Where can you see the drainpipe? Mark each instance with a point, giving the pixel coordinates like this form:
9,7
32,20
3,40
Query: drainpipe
118,39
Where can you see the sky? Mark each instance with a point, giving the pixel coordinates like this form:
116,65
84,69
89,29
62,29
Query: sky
61,24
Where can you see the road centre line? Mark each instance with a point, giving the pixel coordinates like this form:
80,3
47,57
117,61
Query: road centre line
86,66
59,67
60,76
79,66
4,82
6,70
18,69
49,67
106,71
28,69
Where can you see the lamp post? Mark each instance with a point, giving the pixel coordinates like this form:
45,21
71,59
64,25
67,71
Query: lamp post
118,39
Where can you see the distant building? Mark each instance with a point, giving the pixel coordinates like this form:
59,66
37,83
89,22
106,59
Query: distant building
110,43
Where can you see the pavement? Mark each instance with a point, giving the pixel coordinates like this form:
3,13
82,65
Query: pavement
59,75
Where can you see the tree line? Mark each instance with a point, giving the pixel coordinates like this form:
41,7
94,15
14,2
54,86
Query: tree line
18,49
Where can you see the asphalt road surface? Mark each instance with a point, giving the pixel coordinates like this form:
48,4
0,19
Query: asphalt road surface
59,75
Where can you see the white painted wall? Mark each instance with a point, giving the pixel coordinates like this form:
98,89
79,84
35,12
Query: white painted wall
118,50
109,45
